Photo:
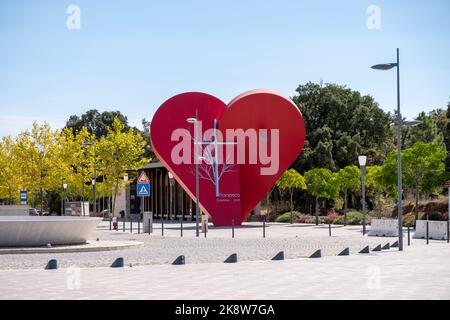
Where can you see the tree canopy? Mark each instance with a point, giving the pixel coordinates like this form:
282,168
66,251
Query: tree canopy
96,123
291,180
340,125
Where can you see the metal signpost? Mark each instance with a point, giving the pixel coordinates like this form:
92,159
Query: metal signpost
23,196
143,190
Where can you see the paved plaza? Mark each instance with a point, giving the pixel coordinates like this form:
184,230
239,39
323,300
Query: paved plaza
296,240
419,272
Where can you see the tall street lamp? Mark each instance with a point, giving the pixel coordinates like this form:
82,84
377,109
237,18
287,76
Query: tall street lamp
64,198
388,66
94,184
362,163
197,158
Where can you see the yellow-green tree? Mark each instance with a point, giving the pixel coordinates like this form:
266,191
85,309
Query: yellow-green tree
118,152
322,183
77,160
291,180
10,178
349,179
37,154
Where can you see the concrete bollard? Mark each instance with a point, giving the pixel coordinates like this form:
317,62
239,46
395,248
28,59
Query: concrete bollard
377,248
118,263
52,265
316,254
279,256
179,261
365,250
231,259
344,252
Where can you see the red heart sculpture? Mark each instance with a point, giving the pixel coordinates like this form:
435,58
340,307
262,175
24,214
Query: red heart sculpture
264,109
267,117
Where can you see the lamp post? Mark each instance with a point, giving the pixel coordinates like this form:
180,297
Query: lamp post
362,163
197,159
94,185
388,66
64,198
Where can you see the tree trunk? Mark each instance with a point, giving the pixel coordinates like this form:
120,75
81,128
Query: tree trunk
114,197
292,205
416,210
317,211
345,207
42,201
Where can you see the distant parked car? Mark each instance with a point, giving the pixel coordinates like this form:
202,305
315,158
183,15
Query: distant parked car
33,212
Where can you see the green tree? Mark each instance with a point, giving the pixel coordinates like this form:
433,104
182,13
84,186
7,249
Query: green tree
291,180
321,183
427,131
96,123
119,151
422,170
77,162
37,157
374,189
349,180
10,179
340,125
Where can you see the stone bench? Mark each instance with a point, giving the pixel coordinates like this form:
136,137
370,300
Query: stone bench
436,230
383,228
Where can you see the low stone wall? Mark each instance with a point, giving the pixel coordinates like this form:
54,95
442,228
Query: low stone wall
383,228
12,210
436,230
41,230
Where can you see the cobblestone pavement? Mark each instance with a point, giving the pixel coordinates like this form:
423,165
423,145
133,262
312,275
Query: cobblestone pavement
419,272
297,240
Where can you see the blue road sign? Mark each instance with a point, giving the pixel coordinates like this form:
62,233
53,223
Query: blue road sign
143,189
143,185
23,196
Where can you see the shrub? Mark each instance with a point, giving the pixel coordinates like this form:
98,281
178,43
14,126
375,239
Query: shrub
331,216
408,219
353,218
301,218
434,216
286,217
338,220
312,219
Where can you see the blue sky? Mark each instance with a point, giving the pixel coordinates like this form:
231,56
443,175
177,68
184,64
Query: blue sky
133,55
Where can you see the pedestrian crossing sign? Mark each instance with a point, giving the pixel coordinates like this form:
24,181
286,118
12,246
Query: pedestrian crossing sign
143,189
